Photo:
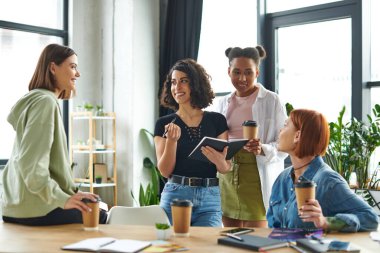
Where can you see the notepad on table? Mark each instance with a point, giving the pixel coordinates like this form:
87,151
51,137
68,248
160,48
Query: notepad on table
253,242
108,244
234,146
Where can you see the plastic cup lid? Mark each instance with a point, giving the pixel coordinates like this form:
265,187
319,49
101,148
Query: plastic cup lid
86,200
305,184
249,123
181,202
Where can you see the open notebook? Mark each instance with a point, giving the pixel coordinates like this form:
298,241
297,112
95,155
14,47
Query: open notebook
218,144
108,244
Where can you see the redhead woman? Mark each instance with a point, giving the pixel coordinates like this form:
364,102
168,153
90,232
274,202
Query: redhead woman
305,137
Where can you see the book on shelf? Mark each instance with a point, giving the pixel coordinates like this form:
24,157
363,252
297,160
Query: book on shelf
252,242
234,145
292,234
327,245
108,244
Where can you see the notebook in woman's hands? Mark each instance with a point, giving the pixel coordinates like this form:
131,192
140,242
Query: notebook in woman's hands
234,146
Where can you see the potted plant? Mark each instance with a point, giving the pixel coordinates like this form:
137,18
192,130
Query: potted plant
99,110
151,194
352,145
98,179
88,106
350,150
163,231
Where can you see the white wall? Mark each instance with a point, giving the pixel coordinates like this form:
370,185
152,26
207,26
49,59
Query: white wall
117,46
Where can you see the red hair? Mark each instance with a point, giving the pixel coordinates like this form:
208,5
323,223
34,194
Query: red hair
315,132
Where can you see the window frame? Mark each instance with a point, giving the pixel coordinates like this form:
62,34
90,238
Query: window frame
360,31
62,33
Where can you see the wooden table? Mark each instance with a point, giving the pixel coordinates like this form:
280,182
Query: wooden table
17,238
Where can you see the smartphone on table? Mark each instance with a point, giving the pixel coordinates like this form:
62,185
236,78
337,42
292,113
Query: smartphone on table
237,231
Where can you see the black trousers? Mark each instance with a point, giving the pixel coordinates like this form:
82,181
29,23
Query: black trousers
58,216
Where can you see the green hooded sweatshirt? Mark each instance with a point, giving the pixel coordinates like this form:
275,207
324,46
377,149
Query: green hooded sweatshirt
37,178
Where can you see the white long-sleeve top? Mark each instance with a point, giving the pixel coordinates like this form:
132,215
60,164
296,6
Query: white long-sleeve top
269,113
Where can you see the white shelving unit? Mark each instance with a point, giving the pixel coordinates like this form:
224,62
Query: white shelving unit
89,149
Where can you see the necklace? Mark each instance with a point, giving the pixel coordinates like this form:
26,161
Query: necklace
302,166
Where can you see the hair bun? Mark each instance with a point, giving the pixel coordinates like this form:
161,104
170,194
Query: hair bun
261,50
228,50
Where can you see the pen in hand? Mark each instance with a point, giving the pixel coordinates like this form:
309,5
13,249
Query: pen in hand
166,131
234,237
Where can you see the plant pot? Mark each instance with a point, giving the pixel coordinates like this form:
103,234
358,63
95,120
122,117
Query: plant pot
163,234
98,180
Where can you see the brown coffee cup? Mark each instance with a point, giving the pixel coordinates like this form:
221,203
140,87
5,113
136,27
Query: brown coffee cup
181,216
91,219
305,190
250,129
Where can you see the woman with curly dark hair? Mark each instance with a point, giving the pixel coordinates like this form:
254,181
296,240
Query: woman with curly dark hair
187,90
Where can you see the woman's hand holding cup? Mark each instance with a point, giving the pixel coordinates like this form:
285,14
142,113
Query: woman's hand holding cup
250,132
311,211
75,201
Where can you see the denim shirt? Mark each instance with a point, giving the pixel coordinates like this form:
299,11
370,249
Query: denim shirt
333,194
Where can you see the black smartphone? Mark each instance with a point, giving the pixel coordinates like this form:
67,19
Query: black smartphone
237,231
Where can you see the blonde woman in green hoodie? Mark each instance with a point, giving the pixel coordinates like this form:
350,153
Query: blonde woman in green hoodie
38,184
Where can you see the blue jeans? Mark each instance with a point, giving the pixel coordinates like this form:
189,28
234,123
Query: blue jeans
206,211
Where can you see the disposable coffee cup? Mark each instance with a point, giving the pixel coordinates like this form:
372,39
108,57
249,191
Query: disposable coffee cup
250,129
305,190
91,219
181,216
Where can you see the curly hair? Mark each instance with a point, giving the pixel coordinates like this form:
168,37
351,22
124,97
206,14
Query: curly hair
201,93
257,53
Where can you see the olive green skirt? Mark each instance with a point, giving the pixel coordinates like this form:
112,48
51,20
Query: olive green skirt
241,189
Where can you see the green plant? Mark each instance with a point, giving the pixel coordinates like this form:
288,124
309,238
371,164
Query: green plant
88,106
162,226
150,195
99,110
352,145
289,107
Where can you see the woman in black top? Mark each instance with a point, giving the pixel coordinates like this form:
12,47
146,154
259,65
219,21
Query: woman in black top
187,90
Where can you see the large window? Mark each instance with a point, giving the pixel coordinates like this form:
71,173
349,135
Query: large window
320,38
43,13
21,43
316,67
225,24
375,51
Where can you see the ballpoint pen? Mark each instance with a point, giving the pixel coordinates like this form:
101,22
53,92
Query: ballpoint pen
317,239
166,131
234,237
